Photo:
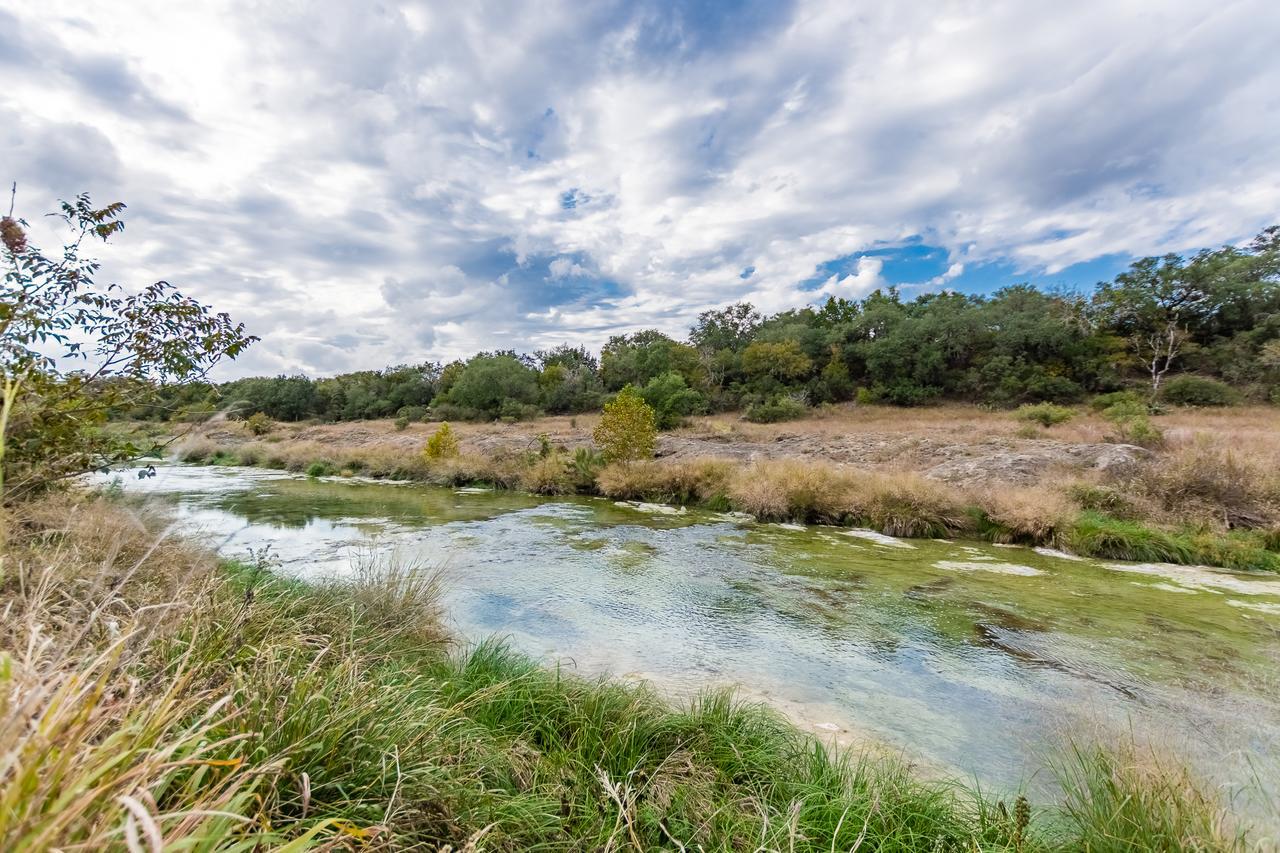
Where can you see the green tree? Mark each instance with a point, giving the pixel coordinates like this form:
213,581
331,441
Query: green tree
1154,304
784,361
672,399
443,443
628,429
72,351
490,384
728,328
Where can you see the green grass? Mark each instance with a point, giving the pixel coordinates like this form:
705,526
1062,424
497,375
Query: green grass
1095,534
229,708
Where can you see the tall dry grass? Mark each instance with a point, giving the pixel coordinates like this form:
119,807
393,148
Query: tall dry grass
152,701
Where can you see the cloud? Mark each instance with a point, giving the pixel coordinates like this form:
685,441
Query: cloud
366,185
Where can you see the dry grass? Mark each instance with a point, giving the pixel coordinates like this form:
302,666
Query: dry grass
792,490
1031,515
1207,480
690,481
90,754
1217,473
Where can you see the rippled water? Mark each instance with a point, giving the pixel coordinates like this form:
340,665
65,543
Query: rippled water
973,659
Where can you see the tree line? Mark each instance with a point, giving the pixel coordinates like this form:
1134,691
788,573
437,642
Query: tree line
1200,329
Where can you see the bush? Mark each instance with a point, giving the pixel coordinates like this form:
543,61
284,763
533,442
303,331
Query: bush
412,413
1102,402
443,443
548,475
1045,414
1132,424
781,408
628,428
513,410
672,399
317,469
402,423
1189,390
259,424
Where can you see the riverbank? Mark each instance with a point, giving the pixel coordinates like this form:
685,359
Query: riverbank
188,702
1209,496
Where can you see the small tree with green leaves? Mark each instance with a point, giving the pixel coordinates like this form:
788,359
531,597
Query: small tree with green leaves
259,424
628,428
73,351
443,443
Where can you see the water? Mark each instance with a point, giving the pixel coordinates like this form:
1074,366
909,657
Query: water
972,660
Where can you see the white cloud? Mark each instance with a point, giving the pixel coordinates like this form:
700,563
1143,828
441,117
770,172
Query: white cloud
367,185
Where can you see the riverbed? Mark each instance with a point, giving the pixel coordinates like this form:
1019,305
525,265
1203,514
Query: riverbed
970,659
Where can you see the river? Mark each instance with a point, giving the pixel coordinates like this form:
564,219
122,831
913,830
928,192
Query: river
970,659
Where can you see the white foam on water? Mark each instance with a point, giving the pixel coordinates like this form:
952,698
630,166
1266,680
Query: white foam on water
1061,555
1167,587
877,537
1200,577
1260,606
655,509
975,566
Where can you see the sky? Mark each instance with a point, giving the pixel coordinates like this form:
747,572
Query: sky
374,183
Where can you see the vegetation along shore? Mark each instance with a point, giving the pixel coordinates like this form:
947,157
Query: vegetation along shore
153,697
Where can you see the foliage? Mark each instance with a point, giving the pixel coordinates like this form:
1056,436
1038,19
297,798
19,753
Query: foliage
402,423
1133,425
123,345
1215,313
672,399
628,428
638,358
1190,390
494,386
1045,414
783,361
783,407
259,424
1102,402
443,443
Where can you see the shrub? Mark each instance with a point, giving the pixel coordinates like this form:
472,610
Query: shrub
317,469
259,424
412,413
781,408
402,423
1132,424
1045,414
1189,390
672,399
548,475
513,410
443,443
585,465
1102,402
628,428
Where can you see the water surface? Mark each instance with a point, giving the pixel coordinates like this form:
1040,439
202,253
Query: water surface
970,658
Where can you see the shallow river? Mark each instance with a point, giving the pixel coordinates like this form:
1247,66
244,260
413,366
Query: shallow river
974,660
